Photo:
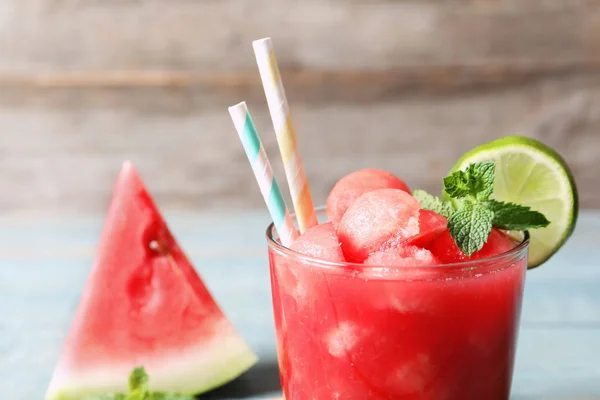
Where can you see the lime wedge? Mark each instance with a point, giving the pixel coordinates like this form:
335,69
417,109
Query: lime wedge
530,173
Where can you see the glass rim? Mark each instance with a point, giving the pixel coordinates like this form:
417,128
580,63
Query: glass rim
273,244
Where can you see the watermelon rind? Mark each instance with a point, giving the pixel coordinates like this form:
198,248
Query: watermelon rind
192,371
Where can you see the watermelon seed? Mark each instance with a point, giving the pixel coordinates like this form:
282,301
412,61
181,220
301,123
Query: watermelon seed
159,247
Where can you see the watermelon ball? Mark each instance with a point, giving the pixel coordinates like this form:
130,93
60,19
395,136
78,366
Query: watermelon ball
446,251
401,257
320,241
354,185
431,225
375,218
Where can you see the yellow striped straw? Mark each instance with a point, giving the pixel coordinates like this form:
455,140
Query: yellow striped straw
286,135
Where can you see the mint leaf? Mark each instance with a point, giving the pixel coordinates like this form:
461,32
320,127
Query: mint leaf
457,185
476,181
138,380
470,226
471,191
516,217
481,177
138,395
433,203
138,390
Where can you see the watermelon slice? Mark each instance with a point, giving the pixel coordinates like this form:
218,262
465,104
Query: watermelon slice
144,304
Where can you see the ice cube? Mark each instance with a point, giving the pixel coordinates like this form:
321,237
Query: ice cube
400,257
395,271
342,339
408,304
290,278
401,297
413,376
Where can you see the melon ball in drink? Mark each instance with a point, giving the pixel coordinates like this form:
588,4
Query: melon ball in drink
296,275
354,185
431,224
320,241
376,218
301,290
402,256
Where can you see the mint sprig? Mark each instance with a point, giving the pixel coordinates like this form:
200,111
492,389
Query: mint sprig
476,182
515,217
470,226
138,384
472,212
138,390
430,202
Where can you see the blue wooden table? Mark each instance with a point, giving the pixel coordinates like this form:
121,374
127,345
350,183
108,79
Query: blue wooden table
44,263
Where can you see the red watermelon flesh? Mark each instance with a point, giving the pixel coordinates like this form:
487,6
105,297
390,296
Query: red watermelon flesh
444,247
375,220
354,185
431,225
320,241
144,304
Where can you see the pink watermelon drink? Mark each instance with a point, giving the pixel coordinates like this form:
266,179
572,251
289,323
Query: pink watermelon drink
352,331
404,295
381,303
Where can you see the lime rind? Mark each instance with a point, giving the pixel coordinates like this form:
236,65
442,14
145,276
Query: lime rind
531,173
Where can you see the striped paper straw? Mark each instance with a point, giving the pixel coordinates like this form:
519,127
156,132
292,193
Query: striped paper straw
263,173
286,135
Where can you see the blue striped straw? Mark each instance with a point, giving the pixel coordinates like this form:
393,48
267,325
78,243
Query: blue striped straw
263,173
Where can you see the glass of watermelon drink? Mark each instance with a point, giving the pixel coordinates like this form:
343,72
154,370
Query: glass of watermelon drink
416,321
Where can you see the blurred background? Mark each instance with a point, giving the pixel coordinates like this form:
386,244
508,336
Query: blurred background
402,85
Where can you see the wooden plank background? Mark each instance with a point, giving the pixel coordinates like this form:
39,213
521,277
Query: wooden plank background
397,84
